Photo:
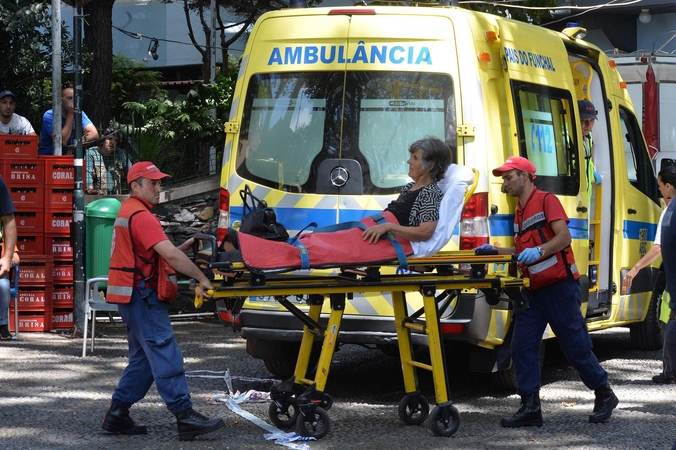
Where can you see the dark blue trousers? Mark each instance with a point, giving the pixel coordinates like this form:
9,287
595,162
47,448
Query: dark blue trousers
559,305
670,343
153,354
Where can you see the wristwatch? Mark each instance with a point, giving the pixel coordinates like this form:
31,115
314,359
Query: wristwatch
542,251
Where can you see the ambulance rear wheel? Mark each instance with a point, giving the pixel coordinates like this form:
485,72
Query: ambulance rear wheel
315,424
444,421
283,413
413,409
647,335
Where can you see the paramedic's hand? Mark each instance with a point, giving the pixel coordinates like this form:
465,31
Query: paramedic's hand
598,178
485,248
203,289
528,256
373,234
629,278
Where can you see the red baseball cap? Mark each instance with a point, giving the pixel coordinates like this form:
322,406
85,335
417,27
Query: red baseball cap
145,169
515,163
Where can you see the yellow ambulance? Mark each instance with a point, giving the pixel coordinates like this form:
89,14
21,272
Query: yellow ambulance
328,100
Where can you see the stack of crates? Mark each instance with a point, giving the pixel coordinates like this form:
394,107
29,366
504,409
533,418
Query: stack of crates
35,294
42,190
59,187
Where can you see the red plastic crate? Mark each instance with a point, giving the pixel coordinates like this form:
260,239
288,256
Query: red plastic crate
30,222
36,271
58,246
27,197
62,272
34,298
57,222
30,245
24,147
33,321
31,172
62,296
62,318
59,170
58,197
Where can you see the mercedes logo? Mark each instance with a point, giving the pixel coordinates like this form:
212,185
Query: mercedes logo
339,177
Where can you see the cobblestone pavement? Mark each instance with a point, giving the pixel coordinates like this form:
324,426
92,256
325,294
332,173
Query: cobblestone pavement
50,397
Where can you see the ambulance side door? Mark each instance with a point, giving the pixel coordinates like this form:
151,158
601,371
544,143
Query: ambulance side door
637,207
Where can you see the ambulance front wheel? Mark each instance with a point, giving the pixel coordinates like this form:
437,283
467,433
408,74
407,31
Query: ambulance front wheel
413,409
283,413
313,424
444,420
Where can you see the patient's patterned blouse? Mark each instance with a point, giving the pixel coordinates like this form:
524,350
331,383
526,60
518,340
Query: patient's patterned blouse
412,208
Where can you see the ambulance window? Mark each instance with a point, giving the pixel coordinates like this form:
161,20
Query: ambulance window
639,166
397,109
545,124
282,129
298,127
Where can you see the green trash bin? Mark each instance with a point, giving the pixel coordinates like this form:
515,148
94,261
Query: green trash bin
99,221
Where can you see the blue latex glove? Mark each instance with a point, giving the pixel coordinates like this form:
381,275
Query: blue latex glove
598,178
485,247
528,256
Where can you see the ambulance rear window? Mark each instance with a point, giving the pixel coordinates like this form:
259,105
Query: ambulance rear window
547,136
297,127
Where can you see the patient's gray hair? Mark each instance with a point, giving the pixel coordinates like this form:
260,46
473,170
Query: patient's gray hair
436,155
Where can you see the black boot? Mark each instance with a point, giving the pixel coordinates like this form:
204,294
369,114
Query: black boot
605,402
117,421
529,415
191,424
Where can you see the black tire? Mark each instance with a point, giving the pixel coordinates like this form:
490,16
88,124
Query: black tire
506,379
284,415
314,425
413,409
284,366
327,402
444,426
647,334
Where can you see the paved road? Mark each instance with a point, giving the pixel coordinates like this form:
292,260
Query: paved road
52,398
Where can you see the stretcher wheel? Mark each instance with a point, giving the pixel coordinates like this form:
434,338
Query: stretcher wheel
413,409
327,402
444,420
283,413
477,271
313,424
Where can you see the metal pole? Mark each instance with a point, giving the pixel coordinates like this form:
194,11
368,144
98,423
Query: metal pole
56,76
78,194
212,79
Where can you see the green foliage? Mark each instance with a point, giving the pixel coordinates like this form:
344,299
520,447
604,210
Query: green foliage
131,81
175,134
26,55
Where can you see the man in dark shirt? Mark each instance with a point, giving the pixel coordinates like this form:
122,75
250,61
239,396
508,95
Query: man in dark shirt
9,240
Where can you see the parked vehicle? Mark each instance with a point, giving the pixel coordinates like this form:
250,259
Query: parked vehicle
328,100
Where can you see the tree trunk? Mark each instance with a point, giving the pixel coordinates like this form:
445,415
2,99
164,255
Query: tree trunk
98,40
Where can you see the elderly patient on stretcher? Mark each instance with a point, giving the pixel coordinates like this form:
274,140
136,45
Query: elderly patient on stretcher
419,222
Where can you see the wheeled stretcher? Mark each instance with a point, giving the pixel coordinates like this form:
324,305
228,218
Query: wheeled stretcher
300,401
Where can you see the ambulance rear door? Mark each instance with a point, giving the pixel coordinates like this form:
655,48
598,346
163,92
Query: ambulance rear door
400,86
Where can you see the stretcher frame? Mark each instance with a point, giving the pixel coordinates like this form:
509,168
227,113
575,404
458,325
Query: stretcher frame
300,400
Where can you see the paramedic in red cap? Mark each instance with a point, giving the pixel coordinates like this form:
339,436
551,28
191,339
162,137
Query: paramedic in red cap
154,356
588,116
542,242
